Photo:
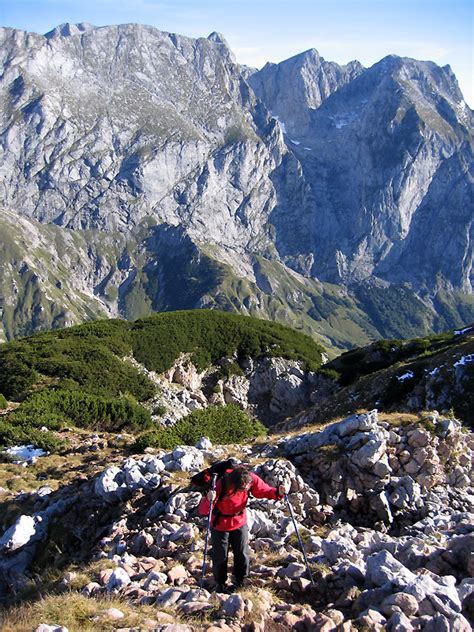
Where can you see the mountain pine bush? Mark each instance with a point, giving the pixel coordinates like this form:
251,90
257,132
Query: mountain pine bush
90,357
54,409
222,424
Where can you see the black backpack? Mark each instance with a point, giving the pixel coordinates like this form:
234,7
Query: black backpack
202,480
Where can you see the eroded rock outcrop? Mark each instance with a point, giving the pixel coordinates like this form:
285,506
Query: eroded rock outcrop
386,471
272,388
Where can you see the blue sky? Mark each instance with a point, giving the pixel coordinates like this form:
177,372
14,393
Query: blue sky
273,30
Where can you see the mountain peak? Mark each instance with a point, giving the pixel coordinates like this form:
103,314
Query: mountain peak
67,29
218,38
311,55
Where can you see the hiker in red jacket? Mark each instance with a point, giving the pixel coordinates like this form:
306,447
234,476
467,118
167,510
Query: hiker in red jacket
229,520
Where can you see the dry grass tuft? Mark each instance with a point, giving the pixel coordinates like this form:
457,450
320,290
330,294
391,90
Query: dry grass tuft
76,612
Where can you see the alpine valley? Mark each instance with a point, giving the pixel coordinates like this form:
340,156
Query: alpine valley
143,171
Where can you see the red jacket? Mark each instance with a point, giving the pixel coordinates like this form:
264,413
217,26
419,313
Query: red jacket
230,512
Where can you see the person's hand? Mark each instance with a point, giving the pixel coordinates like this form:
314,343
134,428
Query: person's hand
211,495
283,489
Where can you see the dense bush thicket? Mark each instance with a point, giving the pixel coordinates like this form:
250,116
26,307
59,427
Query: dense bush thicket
3,402
89,357
12,434
77,358
210,335
222,424
55,409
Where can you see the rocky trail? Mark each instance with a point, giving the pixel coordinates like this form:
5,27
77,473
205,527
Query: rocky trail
385,508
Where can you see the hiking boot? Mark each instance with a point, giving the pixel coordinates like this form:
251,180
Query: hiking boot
220,588
239,585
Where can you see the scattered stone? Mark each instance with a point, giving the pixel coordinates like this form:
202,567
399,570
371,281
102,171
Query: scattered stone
177,575
204,443
399,622
372,620
91,589
112,613
118,580
293,570
234,606
169,597
399,602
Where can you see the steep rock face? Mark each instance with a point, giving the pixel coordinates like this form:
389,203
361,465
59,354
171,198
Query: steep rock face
168,145
297,86
93,140
388,158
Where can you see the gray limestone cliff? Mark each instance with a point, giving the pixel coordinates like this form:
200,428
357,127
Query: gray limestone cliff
252,190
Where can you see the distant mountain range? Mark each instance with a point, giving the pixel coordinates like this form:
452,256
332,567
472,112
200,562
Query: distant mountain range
144,171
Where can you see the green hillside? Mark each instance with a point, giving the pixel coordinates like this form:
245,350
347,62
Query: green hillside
51,277
81,375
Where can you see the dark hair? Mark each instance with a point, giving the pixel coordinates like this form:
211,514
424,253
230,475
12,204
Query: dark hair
239,478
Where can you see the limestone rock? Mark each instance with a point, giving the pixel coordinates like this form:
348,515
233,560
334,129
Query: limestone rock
19,534
118,579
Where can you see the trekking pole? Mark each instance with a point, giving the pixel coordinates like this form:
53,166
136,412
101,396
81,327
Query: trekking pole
290,509
213,488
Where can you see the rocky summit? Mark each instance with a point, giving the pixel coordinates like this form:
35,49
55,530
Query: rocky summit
144,171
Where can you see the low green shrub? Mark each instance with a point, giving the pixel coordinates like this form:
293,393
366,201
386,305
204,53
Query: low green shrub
3,402
332,374
229,369
222,424
159,410
54,408
87,357
11,435
398,390
16,371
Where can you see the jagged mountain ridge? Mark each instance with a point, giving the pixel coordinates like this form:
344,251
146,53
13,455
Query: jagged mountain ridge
123,129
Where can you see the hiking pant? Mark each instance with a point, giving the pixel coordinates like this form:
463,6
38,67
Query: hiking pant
239,542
